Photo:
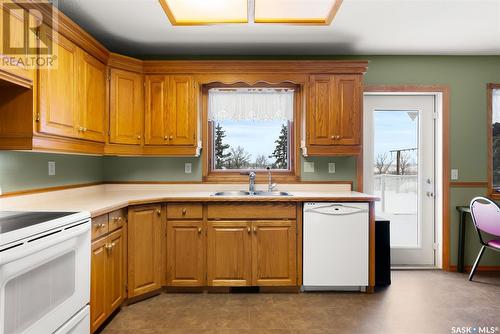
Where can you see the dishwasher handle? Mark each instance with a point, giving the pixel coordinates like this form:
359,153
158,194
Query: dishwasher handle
336,210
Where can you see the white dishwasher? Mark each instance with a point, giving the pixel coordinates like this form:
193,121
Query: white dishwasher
336,245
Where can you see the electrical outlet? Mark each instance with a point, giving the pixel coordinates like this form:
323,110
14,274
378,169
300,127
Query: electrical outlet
188,167
308,167
454,174
52,168
331,167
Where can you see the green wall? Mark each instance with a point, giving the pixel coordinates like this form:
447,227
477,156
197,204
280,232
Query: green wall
466,76
26,170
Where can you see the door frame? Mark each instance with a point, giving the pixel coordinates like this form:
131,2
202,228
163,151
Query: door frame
442,163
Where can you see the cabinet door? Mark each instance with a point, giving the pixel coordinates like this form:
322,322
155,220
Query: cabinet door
126,107
92,97
16,36
348,109
185,253
321,117
57,96
115,270
98,284
156,110
144,249
181,118
274,255
229,253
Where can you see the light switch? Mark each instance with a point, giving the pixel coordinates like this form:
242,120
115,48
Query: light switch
52,168
454,174
331,167
308,167
188,167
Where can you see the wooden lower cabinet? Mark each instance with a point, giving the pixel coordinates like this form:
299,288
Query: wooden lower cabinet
185,253
107,287
229,261
274,253
144,249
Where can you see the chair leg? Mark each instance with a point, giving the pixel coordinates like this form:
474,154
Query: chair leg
474,267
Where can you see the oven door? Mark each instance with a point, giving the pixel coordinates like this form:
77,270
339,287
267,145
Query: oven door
45,280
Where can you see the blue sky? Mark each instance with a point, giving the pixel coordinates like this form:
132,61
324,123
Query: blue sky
257,137
394,130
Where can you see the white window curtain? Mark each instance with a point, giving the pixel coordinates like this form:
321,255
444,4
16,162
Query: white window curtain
250,104
496,106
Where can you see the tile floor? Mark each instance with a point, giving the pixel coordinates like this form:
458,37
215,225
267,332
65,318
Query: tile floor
427,301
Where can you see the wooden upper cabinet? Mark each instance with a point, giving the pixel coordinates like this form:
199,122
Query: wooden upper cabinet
170,116
144,249
185,253
126,107
321,117
274,253
19,37
333,124
92,97
229,258
58,90
155,124
181,117
348,109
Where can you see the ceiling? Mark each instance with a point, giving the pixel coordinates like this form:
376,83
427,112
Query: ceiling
361,27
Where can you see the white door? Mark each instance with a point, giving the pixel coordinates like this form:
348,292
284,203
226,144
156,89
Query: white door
400,169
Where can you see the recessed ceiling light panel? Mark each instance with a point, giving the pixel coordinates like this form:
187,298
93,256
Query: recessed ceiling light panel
296,11
194,12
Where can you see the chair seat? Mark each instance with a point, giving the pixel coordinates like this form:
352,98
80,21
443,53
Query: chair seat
494,243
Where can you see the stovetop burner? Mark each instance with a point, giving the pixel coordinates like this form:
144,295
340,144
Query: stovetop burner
15,220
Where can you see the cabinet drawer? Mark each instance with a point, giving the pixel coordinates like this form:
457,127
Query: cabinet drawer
99,226
184,211
252,211
117,219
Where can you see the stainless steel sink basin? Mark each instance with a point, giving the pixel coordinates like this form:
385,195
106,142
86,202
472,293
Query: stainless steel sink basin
231,193
246,193
272,193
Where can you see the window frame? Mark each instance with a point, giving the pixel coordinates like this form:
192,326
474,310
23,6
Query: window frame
239,176
491,191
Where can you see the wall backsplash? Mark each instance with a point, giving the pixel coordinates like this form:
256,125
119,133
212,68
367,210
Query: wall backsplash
26,170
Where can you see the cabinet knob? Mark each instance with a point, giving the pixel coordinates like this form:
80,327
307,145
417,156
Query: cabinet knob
337,137
248,229
158,212
171,137
99,226
184,211
139,137
332,137
165,138
84,129
199,230
80,128
255,229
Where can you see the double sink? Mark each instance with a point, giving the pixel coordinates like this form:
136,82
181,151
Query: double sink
255,193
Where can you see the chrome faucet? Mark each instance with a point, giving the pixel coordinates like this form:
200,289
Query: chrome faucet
270,184
251,183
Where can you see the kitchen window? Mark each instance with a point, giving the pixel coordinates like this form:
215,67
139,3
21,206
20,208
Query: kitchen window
494,138
250,129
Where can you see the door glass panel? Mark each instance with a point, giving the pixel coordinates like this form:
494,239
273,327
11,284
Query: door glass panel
396,152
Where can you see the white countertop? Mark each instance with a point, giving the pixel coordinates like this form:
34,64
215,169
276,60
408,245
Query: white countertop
102,199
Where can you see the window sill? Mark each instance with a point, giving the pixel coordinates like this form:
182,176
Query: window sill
262,177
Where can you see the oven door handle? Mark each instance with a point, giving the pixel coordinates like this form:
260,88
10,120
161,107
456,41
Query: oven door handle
34,244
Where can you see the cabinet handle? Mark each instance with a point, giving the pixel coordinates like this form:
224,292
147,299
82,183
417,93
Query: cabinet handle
199,230
248,229
184,211
158,212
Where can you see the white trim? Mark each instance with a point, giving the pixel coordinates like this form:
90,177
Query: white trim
368,157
